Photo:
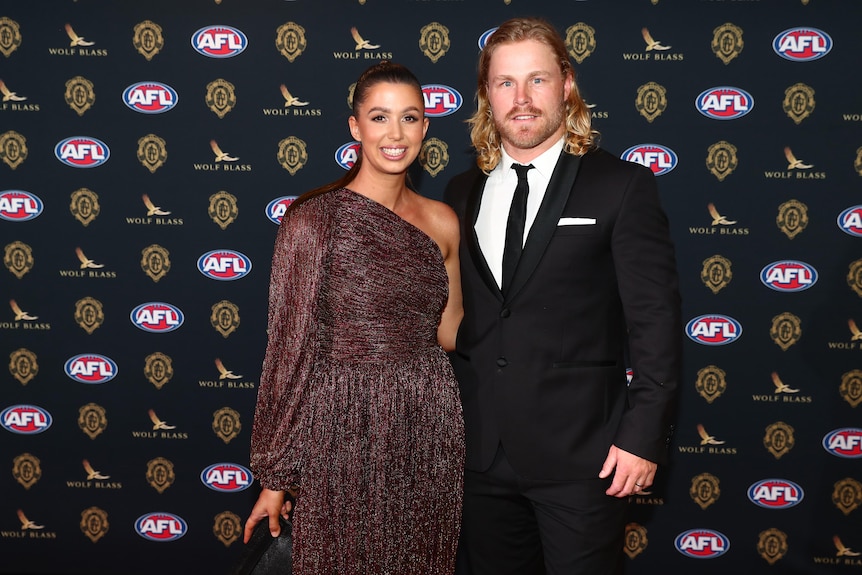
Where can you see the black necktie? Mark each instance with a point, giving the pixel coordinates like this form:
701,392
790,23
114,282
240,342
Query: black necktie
515,226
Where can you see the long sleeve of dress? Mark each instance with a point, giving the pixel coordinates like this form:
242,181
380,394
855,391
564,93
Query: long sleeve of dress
280,424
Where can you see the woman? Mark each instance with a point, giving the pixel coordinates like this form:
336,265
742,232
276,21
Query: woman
357,402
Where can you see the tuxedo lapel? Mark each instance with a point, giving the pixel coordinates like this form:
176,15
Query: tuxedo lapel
556,196
474,200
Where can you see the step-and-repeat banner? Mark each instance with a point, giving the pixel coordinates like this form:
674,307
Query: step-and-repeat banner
148,150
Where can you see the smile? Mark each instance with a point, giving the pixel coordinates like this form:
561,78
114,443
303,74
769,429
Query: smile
393,152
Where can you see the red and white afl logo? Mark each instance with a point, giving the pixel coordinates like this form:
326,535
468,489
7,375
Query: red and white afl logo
219,41
91,368
19,206
25,419
160,526
227,477
440,100
347,154
775,493
788,276
802,44
157,317
660,159
724,103
276,208
150,97
82,152
702,543
713,329
224,265
850,221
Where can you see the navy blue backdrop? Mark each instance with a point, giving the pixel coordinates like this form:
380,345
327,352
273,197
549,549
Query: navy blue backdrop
148,149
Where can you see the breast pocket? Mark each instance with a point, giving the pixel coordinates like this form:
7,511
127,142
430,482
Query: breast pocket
580,230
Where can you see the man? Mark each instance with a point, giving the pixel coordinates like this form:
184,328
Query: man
556,440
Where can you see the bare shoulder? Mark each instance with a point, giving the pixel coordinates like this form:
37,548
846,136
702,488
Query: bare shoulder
439,217
438,221
443,215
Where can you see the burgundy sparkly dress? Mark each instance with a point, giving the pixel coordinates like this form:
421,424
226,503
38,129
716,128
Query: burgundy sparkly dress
357,402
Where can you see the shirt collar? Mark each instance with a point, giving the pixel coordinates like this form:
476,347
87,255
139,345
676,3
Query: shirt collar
544,164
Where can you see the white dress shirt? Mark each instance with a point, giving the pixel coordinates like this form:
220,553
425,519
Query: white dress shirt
497,198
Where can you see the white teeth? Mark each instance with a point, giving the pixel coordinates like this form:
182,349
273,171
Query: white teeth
393,151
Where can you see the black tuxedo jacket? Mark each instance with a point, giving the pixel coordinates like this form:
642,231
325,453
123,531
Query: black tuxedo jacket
542,370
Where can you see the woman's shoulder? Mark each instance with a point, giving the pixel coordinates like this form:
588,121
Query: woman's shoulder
441,220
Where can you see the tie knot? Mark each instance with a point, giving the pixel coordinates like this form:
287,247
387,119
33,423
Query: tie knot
522,170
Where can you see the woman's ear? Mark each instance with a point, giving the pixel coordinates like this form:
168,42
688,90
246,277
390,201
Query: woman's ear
354,128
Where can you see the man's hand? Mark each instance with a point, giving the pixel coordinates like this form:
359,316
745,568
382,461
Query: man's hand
269,505
631,473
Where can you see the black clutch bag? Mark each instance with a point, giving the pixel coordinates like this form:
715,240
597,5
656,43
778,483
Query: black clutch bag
265,554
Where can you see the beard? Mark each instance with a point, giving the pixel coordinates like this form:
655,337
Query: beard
528,137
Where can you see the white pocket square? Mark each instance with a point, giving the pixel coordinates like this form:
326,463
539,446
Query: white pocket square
577,221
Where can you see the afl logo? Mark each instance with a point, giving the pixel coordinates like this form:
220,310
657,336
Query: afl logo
91,368
846,442
702,543
227,477
850,221
440,100
788,276
82,152
483,39
276,208
157,317
150,97
19,206
802,44
161,526
347,154
775,493
219,41
25,419
657,158
724,103
224,265
713,329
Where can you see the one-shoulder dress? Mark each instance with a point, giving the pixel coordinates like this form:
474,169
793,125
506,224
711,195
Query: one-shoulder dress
357,402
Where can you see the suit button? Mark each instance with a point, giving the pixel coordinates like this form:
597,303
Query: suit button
506,312
502,362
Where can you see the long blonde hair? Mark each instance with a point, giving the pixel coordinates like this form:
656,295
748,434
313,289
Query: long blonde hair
580,136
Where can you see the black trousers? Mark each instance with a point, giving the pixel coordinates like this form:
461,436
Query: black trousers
517,526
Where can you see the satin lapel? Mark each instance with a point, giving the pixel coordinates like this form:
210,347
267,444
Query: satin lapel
474,200
556,196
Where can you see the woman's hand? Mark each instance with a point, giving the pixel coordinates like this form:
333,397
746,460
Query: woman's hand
270,504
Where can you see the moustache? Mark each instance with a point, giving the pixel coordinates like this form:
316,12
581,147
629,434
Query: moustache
521,111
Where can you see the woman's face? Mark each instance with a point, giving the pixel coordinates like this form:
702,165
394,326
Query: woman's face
390,124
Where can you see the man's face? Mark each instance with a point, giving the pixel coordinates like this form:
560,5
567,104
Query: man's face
527,94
